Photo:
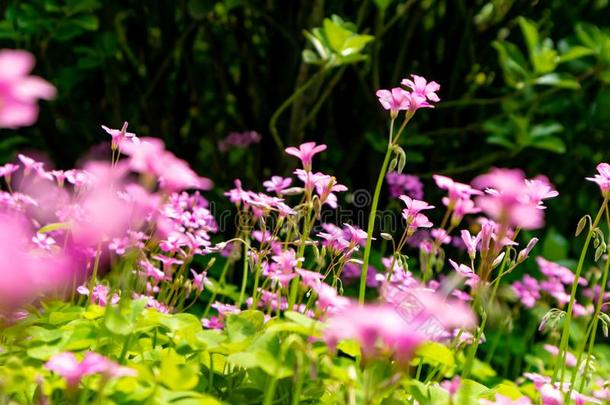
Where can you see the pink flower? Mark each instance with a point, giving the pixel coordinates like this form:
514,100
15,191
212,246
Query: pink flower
422,88
508,200
452,386
395,100
524,253
26,274
465,271
538,379
470,242
7,170
239,140
539,189
426,310
377,328
602,179
415,206
67,365
277,184
527,290
551,395
554,351
399,184
119,135
306,152
150,157
200,280
557,271
100,295
18,91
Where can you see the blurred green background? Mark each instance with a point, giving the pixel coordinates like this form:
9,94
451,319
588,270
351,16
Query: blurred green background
524,84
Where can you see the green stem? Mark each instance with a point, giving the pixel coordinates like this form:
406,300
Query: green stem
371,227
244,280
598,308
565,334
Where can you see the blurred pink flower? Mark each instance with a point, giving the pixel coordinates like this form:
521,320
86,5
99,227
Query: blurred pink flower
602,179
554,351
422,88
200,280
27,273
239,140
306,152
507,199
527,290
377,328
399,184
119,135
19,91
150,157
67,365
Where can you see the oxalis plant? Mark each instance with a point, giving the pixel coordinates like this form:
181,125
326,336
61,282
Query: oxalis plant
117,282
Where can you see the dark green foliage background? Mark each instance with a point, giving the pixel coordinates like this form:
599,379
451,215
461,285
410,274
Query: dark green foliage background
190,71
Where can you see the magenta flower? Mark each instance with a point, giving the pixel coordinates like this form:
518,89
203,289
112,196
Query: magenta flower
554,351
415,206
602,179
200,280
399,184
7,170
422,88
306,152
395,100
539,189
100,295
471,243
527,290
67,365
18,91
239,140
150,157
277,184
507,199
27,272
119,135
466,272
377,328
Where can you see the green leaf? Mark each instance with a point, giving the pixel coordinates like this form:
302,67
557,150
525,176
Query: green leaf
54,227
41,334
335,34
470,391
116,323
239,328
175,373
355,44
555,246
563,81
436,354
349,347
550,143
427,394
530,33
545,129
575,52
508,389
513,63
